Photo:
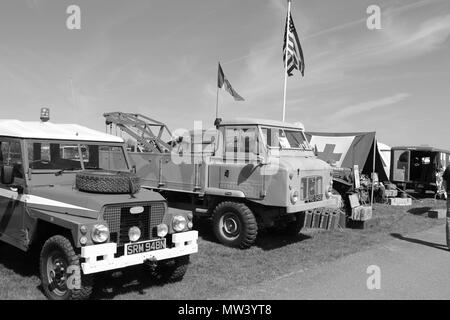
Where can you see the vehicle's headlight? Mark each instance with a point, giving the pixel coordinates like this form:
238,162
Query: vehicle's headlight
134,233
179,223
294,196
162,230
100,233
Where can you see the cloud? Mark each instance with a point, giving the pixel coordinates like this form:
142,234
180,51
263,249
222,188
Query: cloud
367,106
431,35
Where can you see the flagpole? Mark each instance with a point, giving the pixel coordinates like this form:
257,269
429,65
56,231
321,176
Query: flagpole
217,97
286,58
217,104
373,168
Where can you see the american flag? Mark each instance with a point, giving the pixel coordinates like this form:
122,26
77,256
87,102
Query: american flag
294,51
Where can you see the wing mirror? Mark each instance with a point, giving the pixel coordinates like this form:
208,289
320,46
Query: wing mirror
262,160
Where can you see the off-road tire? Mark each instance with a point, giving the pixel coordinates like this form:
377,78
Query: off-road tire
170,271
63,247
244,220
107,182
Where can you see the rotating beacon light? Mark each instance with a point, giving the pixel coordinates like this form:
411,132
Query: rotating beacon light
45,114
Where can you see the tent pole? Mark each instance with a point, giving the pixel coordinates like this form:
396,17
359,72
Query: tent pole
373,168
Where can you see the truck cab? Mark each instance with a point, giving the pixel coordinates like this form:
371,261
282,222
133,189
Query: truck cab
272,163
69,192
246,174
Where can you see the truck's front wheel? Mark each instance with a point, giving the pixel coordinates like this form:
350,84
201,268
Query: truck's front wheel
234,224
60,271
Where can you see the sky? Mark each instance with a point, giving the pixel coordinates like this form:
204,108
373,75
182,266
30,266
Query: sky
159,58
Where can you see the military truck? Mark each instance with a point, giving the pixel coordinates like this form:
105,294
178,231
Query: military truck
247,174
83,211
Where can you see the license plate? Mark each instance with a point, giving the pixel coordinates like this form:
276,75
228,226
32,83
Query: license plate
145,246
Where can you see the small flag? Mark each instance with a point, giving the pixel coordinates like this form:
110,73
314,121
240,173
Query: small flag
294,51
222,80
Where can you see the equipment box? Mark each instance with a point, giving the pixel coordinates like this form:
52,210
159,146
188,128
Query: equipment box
390,193
324,220
308,219
333,222
368,224
400,201
361,213
316,219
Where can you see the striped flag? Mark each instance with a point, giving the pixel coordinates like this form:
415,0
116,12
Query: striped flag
222,80
294,51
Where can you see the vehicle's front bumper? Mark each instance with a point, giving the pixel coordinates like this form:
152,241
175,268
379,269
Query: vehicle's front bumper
185,244
328,203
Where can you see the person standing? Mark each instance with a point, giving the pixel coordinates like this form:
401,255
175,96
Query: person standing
446,186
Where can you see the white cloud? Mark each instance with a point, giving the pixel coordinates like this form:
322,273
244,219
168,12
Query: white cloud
367,106
429,36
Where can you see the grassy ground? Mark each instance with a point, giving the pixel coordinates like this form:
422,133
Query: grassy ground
217,269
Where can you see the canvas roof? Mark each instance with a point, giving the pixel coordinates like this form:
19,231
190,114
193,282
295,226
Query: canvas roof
52,131
349,149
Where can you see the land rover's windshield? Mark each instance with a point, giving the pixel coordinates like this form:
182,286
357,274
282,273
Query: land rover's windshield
284,138
53,155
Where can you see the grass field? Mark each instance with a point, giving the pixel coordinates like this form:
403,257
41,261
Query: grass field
217,269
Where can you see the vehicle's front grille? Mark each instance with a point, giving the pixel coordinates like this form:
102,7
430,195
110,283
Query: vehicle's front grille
120,220
311,189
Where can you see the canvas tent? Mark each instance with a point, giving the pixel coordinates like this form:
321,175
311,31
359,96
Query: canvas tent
347,149
385,152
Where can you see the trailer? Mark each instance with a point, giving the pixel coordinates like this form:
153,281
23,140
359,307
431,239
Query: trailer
246,174
418,167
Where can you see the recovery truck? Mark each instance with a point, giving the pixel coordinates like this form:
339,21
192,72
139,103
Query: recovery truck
68,192
247,174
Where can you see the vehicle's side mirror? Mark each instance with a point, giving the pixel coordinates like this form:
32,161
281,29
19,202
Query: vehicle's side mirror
7,175
262,160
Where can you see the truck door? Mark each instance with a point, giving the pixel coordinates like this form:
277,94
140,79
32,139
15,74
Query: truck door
240,169
400,165
11,208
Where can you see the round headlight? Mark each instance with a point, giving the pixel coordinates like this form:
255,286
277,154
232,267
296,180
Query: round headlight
162,230
294,196
100,233
179,223
134,233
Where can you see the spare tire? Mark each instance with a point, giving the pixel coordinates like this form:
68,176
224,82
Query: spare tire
107,182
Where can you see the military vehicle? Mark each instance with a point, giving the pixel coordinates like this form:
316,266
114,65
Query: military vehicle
247,174
67,192
418,167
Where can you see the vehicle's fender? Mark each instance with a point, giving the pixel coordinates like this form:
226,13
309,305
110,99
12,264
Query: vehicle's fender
65,221
224,192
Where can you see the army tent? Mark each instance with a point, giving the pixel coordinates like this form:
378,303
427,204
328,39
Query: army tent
347,149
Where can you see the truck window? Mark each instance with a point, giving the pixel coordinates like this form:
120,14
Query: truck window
297,139
53,156
285,138
11,155
242,140
104,157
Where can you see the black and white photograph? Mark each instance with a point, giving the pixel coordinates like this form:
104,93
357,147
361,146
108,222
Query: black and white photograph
240,152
